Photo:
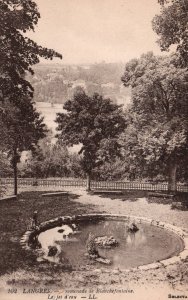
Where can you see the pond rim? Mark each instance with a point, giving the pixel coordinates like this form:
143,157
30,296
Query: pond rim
30,235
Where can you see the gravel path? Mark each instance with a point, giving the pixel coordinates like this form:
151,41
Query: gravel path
141,207
125,205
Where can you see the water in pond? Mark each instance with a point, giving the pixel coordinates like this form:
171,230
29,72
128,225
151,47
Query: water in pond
147,245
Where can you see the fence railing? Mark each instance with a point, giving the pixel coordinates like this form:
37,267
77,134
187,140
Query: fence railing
45,182
111,185
132,185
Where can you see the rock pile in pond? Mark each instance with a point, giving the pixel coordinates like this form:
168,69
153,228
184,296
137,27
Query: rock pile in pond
132,228
91,246
105,241
102,241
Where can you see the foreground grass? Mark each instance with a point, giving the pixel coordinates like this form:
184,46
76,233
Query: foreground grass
19,268
15,215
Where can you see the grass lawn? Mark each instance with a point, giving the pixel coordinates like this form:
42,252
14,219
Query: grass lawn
15,215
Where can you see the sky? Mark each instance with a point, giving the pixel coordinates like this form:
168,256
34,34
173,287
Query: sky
89,31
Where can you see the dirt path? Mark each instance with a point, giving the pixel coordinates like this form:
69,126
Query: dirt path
137,207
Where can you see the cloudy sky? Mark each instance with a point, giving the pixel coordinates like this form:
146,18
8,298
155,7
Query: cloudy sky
88,31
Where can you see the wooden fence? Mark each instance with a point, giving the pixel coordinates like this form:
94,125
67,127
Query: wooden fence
45,182
132,185
110,185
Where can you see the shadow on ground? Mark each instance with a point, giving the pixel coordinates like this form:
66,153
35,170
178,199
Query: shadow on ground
178,202
15,218
128,195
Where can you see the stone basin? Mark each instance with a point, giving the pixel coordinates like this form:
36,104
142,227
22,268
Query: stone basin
155,244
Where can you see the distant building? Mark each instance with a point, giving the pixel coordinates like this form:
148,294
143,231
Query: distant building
79,83
108,85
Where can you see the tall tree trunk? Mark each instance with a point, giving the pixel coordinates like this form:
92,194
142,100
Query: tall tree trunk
15,161
88,185
172,184
15,178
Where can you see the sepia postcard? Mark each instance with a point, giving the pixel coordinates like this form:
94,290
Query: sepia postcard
93,179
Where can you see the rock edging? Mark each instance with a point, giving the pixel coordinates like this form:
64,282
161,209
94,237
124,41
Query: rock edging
29,235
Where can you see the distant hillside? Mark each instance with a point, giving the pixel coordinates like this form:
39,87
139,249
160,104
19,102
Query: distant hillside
55,83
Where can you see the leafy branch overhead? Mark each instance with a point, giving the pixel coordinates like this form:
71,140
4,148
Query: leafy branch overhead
172,27
18,53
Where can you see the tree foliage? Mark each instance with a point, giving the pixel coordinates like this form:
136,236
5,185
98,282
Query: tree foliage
18,53
22,126
158,130
5,169
95,123
51,160
171,26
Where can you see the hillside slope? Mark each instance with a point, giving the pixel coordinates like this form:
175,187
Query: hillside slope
55,83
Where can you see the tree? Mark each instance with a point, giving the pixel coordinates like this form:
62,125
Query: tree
171,26
18,53
22,126
112,170
159,112
5,164
95,123
51,160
